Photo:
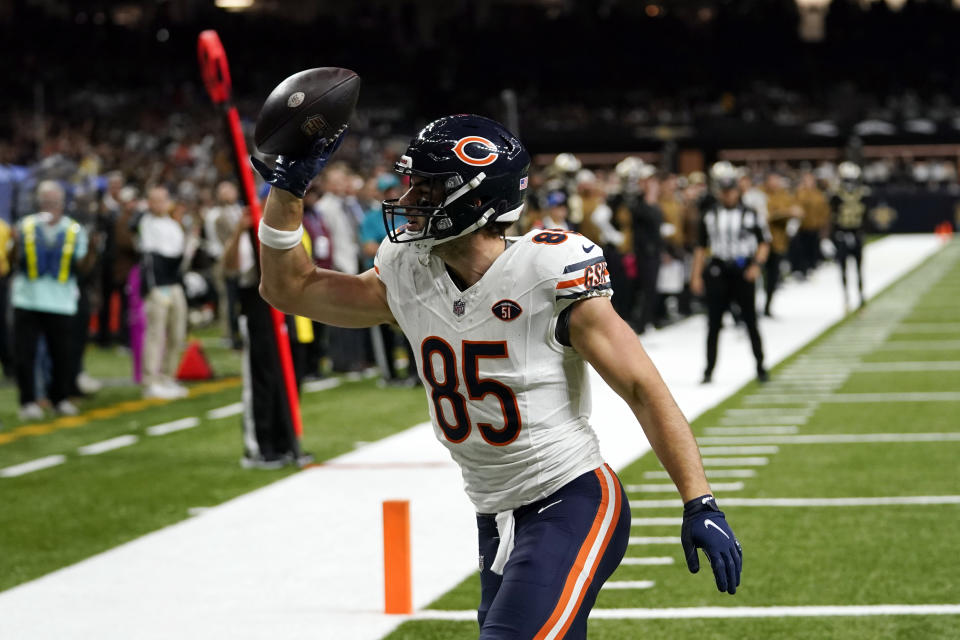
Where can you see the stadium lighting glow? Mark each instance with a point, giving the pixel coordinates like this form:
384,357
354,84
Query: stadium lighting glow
812,14
234,5
896,5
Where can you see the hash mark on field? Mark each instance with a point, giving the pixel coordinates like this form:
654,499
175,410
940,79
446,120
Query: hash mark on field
928,327
31,466
629,584
920,345
655,522
645,540
833,438
735,462
169,427
225,412
108,445
321,385
739,451
652,561
711,473
882,501
920,396
744,431
931,365
668,488
763,419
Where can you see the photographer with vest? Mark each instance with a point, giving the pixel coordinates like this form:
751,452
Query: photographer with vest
51,250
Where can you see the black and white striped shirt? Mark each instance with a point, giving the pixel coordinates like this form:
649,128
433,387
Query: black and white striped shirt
732,234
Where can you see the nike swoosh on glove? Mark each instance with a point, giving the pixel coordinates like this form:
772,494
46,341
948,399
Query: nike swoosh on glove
705,527
295,174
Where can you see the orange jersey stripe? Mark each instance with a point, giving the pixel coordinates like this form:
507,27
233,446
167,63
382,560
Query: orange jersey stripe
616,499
566,284
377,269
550,628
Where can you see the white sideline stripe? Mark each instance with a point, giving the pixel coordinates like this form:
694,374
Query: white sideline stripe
225,412
655,522
108,445
920,396
648,562
33,465
834,438
711,473
321,385
745,431
629,584
883,501
644,540
673,613
739,451
930,365
667,488
920,345
169,427
763,419
735,462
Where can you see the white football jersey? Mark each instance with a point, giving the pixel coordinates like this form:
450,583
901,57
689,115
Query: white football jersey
509,401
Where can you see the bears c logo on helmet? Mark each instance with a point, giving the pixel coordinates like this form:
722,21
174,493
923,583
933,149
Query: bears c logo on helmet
487,150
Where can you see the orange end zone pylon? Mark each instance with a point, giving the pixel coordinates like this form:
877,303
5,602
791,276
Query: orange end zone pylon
398,587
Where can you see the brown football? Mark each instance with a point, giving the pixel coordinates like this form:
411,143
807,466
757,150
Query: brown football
311,103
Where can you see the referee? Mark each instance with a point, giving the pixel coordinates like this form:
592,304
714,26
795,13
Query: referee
737,241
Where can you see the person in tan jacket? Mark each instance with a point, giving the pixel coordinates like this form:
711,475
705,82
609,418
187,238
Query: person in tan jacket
805,249
782,207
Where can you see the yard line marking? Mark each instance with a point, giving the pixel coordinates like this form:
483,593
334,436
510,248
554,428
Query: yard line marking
225,412
645,540
772,411
629,584
652,561
882,501
169,427
761,419
673,613
32,465
920,345
669,487
929,365
918,396
321,385
928,327
735,462
743,431
739,451
108,445
655,522
711,473
833,438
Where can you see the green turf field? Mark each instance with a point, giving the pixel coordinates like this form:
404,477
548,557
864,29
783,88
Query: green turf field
904,342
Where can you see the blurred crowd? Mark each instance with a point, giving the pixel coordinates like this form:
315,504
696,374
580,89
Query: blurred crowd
157,205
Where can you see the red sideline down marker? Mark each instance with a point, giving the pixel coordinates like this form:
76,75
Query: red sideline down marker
194,364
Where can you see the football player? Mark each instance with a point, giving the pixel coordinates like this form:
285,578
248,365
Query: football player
848,207
502,329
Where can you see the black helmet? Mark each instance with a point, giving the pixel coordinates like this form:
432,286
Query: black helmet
478,166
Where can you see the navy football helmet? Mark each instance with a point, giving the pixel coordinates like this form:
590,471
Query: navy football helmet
476,171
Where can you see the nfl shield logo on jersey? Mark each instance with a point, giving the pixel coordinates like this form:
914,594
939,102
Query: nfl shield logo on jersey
459,307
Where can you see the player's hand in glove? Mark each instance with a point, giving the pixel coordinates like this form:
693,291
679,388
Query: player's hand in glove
295,174
704,527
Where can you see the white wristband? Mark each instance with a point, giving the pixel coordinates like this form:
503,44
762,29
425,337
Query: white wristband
277,239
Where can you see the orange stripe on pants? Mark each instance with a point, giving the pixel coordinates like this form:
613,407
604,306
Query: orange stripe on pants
560,620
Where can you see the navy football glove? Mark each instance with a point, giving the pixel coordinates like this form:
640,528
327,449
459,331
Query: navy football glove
295,174
705,527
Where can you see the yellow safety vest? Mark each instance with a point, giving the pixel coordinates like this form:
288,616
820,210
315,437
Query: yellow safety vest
68,244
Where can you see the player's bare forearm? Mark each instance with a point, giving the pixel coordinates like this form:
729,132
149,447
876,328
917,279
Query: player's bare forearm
607,342
290,282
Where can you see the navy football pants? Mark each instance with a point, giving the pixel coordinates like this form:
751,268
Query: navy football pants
565,547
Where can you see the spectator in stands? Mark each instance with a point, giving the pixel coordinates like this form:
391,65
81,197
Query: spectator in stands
52,250
555,217
163,246
346,346
6,251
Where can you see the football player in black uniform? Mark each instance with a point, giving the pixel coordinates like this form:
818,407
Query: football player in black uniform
848,207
